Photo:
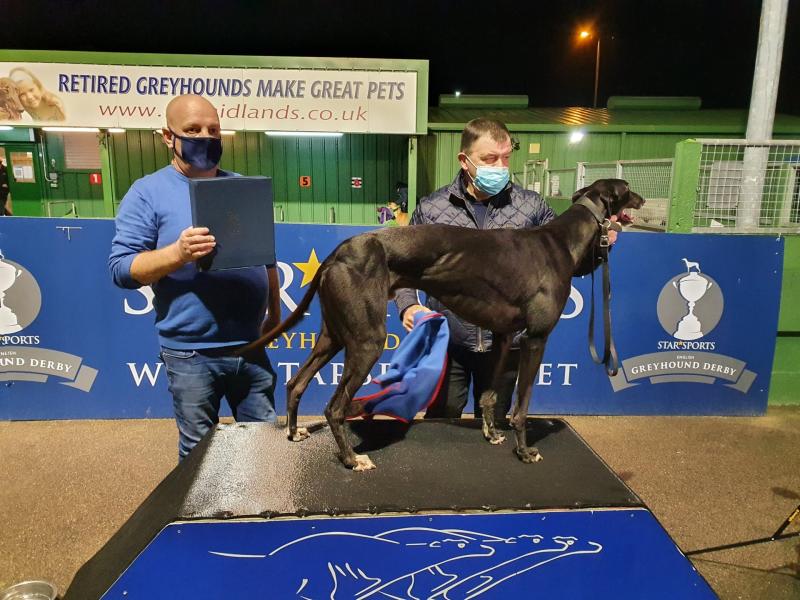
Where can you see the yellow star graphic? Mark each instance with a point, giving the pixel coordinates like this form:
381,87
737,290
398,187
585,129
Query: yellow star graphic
309,269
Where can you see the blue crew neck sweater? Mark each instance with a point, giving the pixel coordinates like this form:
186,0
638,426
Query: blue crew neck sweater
194,309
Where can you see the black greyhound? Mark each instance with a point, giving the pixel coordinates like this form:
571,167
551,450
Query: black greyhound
526,287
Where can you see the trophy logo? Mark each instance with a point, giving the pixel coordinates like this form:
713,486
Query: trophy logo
690,304
8,276
20,297
692,288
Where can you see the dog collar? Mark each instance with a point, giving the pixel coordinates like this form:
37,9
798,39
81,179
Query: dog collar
596,213
603,222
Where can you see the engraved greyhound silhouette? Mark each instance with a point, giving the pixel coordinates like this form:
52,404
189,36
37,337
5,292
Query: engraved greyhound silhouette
690,264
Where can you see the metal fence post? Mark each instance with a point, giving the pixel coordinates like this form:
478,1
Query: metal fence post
413,159
107,173
684,186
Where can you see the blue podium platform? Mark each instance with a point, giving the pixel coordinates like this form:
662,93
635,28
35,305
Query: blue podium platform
444,516
607,553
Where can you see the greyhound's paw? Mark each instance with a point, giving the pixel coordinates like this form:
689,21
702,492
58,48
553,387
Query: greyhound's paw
490,435
496,439
363,463
299,435
528,455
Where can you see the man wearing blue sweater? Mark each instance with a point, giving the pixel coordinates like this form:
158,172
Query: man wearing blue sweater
202,318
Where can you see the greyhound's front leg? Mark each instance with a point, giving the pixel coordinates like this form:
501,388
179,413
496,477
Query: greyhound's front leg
488,400
531,352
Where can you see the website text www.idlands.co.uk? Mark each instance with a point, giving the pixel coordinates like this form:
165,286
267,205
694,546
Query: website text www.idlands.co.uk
244,111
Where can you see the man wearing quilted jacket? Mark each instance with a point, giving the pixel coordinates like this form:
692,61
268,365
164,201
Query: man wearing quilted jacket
480,197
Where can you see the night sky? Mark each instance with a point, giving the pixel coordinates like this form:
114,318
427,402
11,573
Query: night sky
668,47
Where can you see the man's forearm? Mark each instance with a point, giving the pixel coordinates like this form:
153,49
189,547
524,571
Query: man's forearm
405,297
148,267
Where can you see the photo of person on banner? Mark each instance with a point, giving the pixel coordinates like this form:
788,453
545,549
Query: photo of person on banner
39,103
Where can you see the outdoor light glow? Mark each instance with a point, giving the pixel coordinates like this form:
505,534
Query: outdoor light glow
575,137
458,93
73,129
584,34
304,133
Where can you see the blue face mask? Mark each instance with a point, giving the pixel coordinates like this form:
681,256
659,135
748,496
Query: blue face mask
489,180
203,153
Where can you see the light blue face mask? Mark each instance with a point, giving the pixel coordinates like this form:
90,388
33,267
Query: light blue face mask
489,180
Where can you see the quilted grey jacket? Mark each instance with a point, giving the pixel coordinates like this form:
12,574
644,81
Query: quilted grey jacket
513,208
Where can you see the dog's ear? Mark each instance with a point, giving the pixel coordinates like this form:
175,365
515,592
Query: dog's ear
580,193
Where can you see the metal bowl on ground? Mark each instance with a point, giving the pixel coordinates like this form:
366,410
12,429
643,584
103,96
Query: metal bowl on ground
30,590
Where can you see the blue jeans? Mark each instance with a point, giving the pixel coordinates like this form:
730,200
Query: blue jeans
198,379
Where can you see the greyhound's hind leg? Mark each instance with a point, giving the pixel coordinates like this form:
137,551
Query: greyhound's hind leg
360,356
353,300
324,350
353,292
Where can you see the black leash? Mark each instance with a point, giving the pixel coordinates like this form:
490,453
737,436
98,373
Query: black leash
610,359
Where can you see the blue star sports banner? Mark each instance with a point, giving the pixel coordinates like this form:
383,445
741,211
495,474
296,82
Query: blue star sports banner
694,319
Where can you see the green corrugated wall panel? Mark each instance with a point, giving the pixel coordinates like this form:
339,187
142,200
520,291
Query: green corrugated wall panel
376,180
253,149
136,153
398,169
789,320
370,174
280,178
784,387
426,174
447,147
637,146
118,150
344,190
313,163
329,156
366,166
355,167
148,146
381,160
73,184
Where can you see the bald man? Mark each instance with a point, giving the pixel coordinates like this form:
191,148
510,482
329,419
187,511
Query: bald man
202,318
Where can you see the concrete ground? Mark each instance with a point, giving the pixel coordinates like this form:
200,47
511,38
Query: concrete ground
67,486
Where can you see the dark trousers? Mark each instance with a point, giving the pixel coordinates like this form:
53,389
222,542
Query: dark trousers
464,368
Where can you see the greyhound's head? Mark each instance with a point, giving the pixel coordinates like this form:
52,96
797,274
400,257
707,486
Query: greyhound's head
612,196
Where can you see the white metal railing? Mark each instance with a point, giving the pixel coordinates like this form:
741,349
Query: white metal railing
746,187
560,183
54,206
532,175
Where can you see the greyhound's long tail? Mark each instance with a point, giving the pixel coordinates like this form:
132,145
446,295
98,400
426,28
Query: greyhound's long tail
292,320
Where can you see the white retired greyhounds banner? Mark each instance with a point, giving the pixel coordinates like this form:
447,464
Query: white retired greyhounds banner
247,99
